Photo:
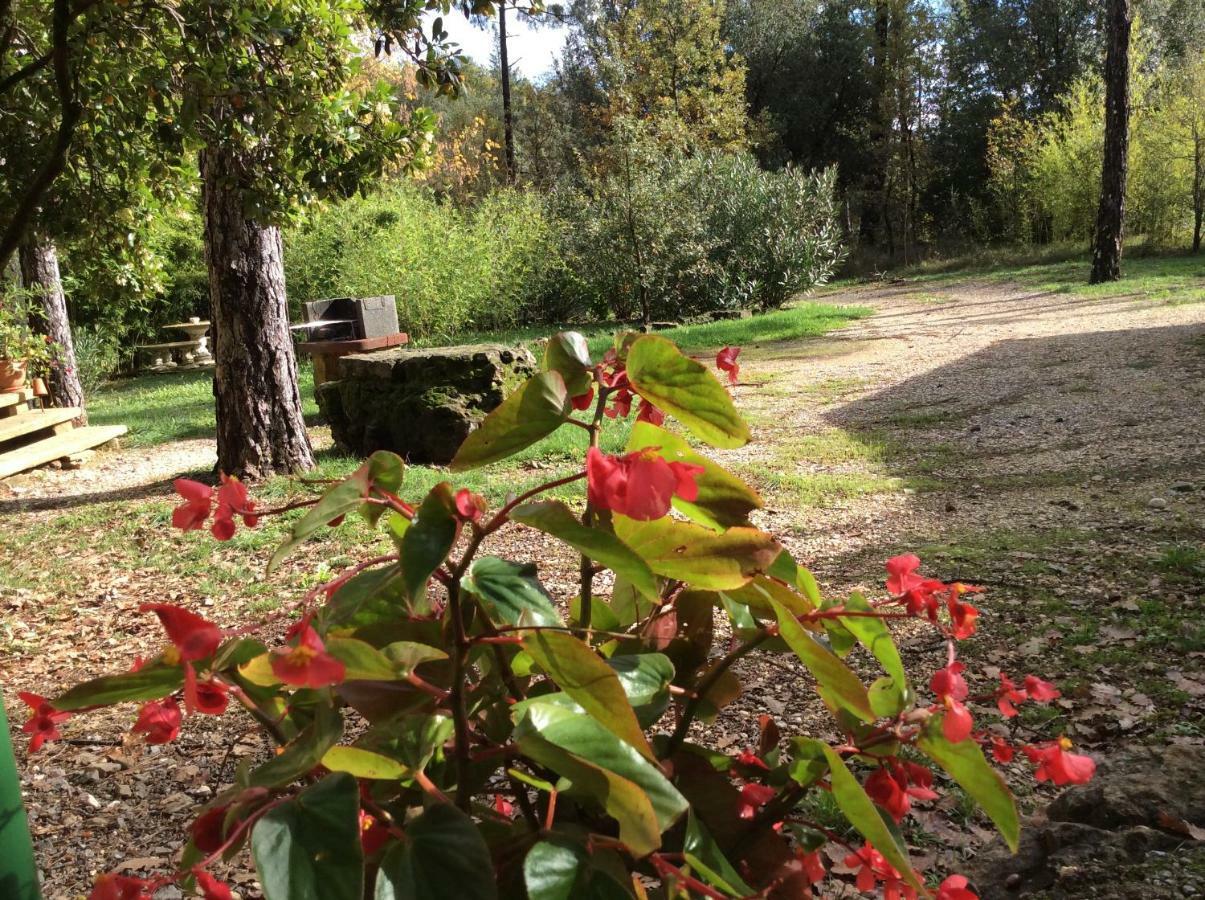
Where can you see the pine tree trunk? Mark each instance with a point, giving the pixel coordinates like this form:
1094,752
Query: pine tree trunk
40,273
260,427
508,128
1110,217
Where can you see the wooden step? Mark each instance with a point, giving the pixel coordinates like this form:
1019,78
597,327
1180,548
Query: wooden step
35,420
12,401
56,447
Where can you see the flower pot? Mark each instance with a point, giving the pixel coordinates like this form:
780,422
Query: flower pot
38,385
12,375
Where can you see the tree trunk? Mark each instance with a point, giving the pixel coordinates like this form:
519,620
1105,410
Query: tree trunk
1198,187
1110,216
40,273
508,128
261,431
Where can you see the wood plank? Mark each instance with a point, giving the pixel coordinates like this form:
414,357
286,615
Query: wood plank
15,399
56,447
36,420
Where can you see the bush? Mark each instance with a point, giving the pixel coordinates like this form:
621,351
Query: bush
660,235
451,270
441,722
97,357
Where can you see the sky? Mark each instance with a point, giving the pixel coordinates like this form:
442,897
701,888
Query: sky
532,50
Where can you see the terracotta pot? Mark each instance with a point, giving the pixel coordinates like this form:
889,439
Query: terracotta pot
39,387
12,375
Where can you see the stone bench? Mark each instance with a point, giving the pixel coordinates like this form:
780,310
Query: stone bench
421,404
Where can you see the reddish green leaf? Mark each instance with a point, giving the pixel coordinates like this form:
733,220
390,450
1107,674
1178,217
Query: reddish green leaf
876,637
428,540
568,354
444,857
686,390
698,555
150,683
532,412
835,681
583,675
511,593
340,500
967,765
553,517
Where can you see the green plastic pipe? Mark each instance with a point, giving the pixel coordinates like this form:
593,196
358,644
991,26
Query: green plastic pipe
18,873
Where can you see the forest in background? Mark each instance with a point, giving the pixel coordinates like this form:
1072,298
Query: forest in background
687,156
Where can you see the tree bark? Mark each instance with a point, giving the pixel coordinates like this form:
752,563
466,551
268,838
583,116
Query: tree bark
260,427
40,274
1110,216
508,127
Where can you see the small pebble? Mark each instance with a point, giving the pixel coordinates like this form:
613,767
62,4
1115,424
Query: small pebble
1157,503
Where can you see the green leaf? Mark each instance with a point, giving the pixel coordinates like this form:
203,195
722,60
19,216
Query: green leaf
724,500
308,848
428,540
886,699
534,411
876,637
568,354
967,765
511,593
698,555
444,857
863,815
686,390
808,762
374,596
150,683
303,752
706,857
557,868
340,500
761,590
406,656
385,471
362,661
412,739
631,789
582,674
835,681
645,678
555,518
364,764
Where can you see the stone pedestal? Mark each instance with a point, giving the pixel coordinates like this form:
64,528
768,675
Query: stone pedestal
421,404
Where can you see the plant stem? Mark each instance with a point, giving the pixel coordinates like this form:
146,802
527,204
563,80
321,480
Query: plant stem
705,686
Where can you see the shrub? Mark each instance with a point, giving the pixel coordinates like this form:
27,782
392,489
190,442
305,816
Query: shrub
97,357
451,270
660,235
442,723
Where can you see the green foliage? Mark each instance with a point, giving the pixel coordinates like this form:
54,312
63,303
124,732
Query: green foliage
97,357
451,270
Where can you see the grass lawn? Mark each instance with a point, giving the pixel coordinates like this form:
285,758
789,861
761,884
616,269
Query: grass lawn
1171,278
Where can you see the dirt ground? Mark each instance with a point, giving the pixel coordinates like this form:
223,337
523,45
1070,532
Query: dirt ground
1047,447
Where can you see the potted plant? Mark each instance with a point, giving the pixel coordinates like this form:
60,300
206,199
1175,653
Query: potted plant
21,348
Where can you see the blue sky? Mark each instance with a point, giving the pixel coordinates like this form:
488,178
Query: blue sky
532,50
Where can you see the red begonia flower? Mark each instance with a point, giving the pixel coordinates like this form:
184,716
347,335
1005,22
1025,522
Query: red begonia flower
208,697
948,682
373,833
1007,695
813,865
871,867
44,720
749,758
1002,750
894,787
119,887
962,615
471,507
192,513
955,888
232,501
159,720
951,689
621,406
901,574
649,413
207,831
1058,766
725,361
503,807
307,664
194,637
753,798
583,401
1040,691
640,485
211,888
